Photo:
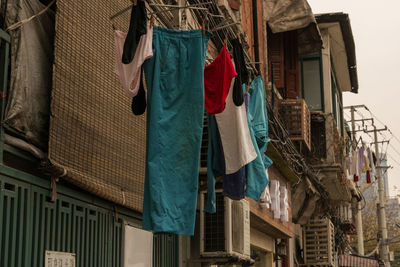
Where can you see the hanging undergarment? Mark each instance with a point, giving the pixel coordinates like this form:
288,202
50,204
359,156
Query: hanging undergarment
217,81
129,74
137,28
139,101
241,69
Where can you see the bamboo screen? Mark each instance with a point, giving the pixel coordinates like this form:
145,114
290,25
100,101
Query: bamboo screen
93,134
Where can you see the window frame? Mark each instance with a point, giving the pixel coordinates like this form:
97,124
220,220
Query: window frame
309,57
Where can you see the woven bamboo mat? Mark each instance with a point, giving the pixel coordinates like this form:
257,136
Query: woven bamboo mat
93,134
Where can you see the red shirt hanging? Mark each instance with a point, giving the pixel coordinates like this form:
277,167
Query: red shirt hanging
217,80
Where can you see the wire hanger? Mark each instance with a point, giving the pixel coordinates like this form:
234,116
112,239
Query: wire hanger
224,26
170,7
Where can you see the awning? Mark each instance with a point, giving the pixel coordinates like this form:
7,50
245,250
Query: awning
289,15
352,260
342,47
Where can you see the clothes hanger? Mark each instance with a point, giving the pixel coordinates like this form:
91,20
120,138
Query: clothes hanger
239,38
170,7
151,20
224,26
203,27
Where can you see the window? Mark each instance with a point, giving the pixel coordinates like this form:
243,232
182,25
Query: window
311,81
283,63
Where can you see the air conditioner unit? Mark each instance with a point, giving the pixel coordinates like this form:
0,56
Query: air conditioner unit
225,233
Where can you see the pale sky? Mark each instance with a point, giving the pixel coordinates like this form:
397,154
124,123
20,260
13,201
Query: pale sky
376,31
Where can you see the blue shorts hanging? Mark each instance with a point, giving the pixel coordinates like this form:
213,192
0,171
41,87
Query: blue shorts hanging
175,84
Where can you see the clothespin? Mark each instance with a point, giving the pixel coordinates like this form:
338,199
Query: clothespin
226,42
114,27
151,20
203,27
239,38
134,2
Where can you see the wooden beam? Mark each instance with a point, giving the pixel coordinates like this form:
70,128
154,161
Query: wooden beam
262,220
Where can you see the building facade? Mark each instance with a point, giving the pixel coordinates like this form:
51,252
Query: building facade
72,172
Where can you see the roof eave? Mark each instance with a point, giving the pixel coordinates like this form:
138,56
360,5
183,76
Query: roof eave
348,38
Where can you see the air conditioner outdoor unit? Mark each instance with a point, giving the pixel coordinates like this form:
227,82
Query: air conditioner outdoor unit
225,233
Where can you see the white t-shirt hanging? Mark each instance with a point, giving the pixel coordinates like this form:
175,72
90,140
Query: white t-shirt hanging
235,135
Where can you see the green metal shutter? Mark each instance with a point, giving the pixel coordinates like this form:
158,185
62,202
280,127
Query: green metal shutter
30,224
166,250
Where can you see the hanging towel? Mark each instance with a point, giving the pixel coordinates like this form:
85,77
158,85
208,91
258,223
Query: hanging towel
129,74
366,165
360,159
175,110
275,199
137,28
257,179
217,82
235,136
241,69
354,164
371,161
284,204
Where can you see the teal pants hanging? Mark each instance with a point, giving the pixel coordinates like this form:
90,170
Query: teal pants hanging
175,111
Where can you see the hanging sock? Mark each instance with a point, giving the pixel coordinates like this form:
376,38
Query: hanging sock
137,27
241,69
139,101
368,177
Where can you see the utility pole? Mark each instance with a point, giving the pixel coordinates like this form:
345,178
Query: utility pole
360,232
384,246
